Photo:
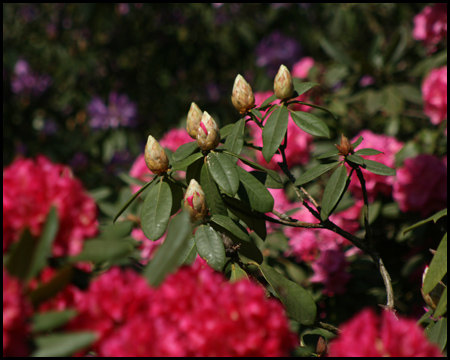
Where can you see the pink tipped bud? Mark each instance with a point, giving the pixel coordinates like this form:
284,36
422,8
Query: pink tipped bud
283,85
155,156
194,201
208,135
242,96
193,120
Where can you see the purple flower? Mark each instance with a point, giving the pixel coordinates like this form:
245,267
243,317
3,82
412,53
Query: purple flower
119,112
275,50
25,81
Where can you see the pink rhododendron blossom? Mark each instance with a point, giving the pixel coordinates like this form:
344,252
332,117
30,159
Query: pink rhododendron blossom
147,247
370,335
174,138
195,312
16,311
430,25
302,67
31,188
434,93
421,185
376,184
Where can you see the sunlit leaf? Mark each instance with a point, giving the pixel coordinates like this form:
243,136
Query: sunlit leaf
274,131
333,191
210,246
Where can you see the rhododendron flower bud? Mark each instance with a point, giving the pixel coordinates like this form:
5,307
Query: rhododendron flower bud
283,85
345,147
193,120
208,135
242,96
194,201
155,156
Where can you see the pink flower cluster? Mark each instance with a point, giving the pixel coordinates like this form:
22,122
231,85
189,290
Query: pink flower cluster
369,335
31,188
421,185
376,184
430,25
195,312
16,311
302,67
434,93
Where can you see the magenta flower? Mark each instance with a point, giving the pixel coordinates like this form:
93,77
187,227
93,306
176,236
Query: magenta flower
421,185
31,188
434,93
369,335
430,25
301,68
120,111
25,81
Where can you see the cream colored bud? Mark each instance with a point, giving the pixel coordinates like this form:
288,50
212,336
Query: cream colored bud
283,86
242,96
155,156
208,135
194,201
193,120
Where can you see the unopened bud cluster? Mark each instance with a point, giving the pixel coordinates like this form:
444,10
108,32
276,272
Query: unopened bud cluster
242,96
193,120
283,85
208,134
155,156
194,201
345,148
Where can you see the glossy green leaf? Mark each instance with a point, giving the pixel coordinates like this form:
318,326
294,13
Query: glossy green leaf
228,224
310,123
368,151
224,172
356,159
183,164
266,180
235,140
298,302
155,212
438,333
134,197
315,172
51,320
254,193
210,246
438,267
378,168
333,191
189,253
101,250
302,87
193,170
274,131
116,231
328,154
256,113
172,252
177,196
357,142
63,344
213,198
225,131
251,252
434,218
184,151
267,101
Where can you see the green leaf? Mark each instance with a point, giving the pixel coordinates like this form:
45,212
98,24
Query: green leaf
251,252
128,203
224,172
256,113
172,252
116,231
254,193
335,52
438,267
356,159
225,131
267,101
228,224
51,320
127,179
310,124
315,106
328,154
378,168
193,170
438,334
434,218
441,308
177,196
210,246
189,253
21,255
155,212
266,180
213,198
274,131
368,151
49,289
102,250
357,142
235,140
63,344
315,172
298,302
302,87
186,162
237,273
184,151
333,191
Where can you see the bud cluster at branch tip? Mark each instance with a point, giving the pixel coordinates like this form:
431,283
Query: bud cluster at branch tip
155,156
283,85
242,96
193,120
194,201
208,134
345,147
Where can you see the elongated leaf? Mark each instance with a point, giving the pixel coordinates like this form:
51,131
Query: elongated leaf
266,180
131,180
302,87
298,302
193,171
267,101
333,191
189,253
254,193
129,202
49,289
177,196
171,253
229,225
184,151
310,123
274,131
256,113
357,142
438,267
210,246
315,172
237,273
378,168
155,212
225,131
441,308
116,231
21,255
101,250
224,172
438,333
328,154
63,344
213,198
186,162
50,320
356,159
434,218
235,140
368,151
316,107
